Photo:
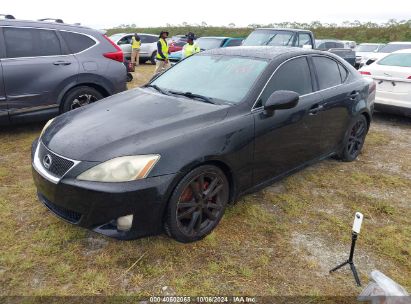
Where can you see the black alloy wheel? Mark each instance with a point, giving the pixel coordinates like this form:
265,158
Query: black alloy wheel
355,139
79,97
197,204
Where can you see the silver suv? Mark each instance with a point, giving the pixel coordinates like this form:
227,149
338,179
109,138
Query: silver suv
47,68
148,49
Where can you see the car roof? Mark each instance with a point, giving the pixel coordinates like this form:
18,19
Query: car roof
261,52
370,43
282,29
214,37
405,51
400,42
43,24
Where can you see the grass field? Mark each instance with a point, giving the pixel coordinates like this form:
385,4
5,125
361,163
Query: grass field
280,241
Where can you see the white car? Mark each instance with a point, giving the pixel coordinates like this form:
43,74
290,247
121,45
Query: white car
148,49
392,75
382,52
366,50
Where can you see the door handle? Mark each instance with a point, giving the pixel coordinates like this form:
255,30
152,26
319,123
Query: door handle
315,109
61,63
354,95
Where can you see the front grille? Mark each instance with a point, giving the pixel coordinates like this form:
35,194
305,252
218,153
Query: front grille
70,216
58,165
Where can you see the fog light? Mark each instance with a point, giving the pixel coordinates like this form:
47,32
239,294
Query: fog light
124,223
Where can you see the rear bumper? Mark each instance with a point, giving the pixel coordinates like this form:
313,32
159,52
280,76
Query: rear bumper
402,100
393,109
96,206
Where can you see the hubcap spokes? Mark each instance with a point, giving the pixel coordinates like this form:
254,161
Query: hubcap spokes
83,100
200,204
356,138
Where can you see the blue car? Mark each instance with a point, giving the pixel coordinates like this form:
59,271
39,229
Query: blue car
208,43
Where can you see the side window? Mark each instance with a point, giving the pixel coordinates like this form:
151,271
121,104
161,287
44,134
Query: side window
77,42
293,75
152,39
19,42
322,46
343,72
328,72
234,42
144,39
28,42
329,45
339,45
125,40
304,39
49,43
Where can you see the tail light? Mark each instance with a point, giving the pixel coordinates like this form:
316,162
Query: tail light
365,73
409,77
117,55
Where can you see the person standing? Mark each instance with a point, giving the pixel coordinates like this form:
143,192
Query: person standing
190,48
162,53
135,50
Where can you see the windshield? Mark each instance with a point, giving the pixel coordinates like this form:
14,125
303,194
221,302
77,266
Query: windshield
389,48
208,43
400,60
219,77
367,47
269,37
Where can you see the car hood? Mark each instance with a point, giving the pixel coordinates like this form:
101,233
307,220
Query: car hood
128,123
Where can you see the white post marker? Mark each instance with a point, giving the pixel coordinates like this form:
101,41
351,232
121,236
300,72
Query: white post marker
357,222
356,228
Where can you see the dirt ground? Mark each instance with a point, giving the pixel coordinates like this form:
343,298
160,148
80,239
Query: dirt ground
280,241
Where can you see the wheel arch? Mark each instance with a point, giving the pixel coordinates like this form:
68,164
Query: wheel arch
95,86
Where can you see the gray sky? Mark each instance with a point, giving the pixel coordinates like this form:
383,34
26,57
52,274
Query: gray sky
105,14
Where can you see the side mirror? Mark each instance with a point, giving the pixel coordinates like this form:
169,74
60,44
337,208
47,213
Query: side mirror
307,46
281,100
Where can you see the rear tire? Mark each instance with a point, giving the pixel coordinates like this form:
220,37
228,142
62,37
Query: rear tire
153,58
80,96
354,140
197,204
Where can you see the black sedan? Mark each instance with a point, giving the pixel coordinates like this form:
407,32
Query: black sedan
171,155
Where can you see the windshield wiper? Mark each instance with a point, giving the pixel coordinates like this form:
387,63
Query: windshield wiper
156,87
191,95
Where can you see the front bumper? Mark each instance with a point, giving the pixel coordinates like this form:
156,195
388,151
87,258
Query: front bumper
96,205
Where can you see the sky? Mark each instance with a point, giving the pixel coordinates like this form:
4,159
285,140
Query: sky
147,13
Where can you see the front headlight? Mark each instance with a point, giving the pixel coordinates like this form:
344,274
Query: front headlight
46,126
121,169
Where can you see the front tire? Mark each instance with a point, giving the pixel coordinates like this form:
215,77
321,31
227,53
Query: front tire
197,204
80,96
354,140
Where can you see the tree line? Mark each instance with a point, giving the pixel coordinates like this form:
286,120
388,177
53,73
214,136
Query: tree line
392,30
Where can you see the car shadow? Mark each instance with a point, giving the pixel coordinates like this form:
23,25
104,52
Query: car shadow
382,117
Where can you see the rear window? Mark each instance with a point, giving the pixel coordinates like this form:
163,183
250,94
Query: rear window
400,60
29,42
328,72
77,42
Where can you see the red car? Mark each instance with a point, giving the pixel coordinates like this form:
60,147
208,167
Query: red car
177,42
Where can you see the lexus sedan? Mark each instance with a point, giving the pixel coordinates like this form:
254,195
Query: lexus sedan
170,156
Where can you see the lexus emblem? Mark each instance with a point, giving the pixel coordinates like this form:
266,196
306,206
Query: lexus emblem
47,161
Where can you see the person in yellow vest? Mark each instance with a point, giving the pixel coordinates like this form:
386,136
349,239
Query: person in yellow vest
135,50
190,48
162,53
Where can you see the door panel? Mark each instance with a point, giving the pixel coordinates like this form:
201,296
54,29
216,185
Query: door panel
287,139
34,68
32,82
4,114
